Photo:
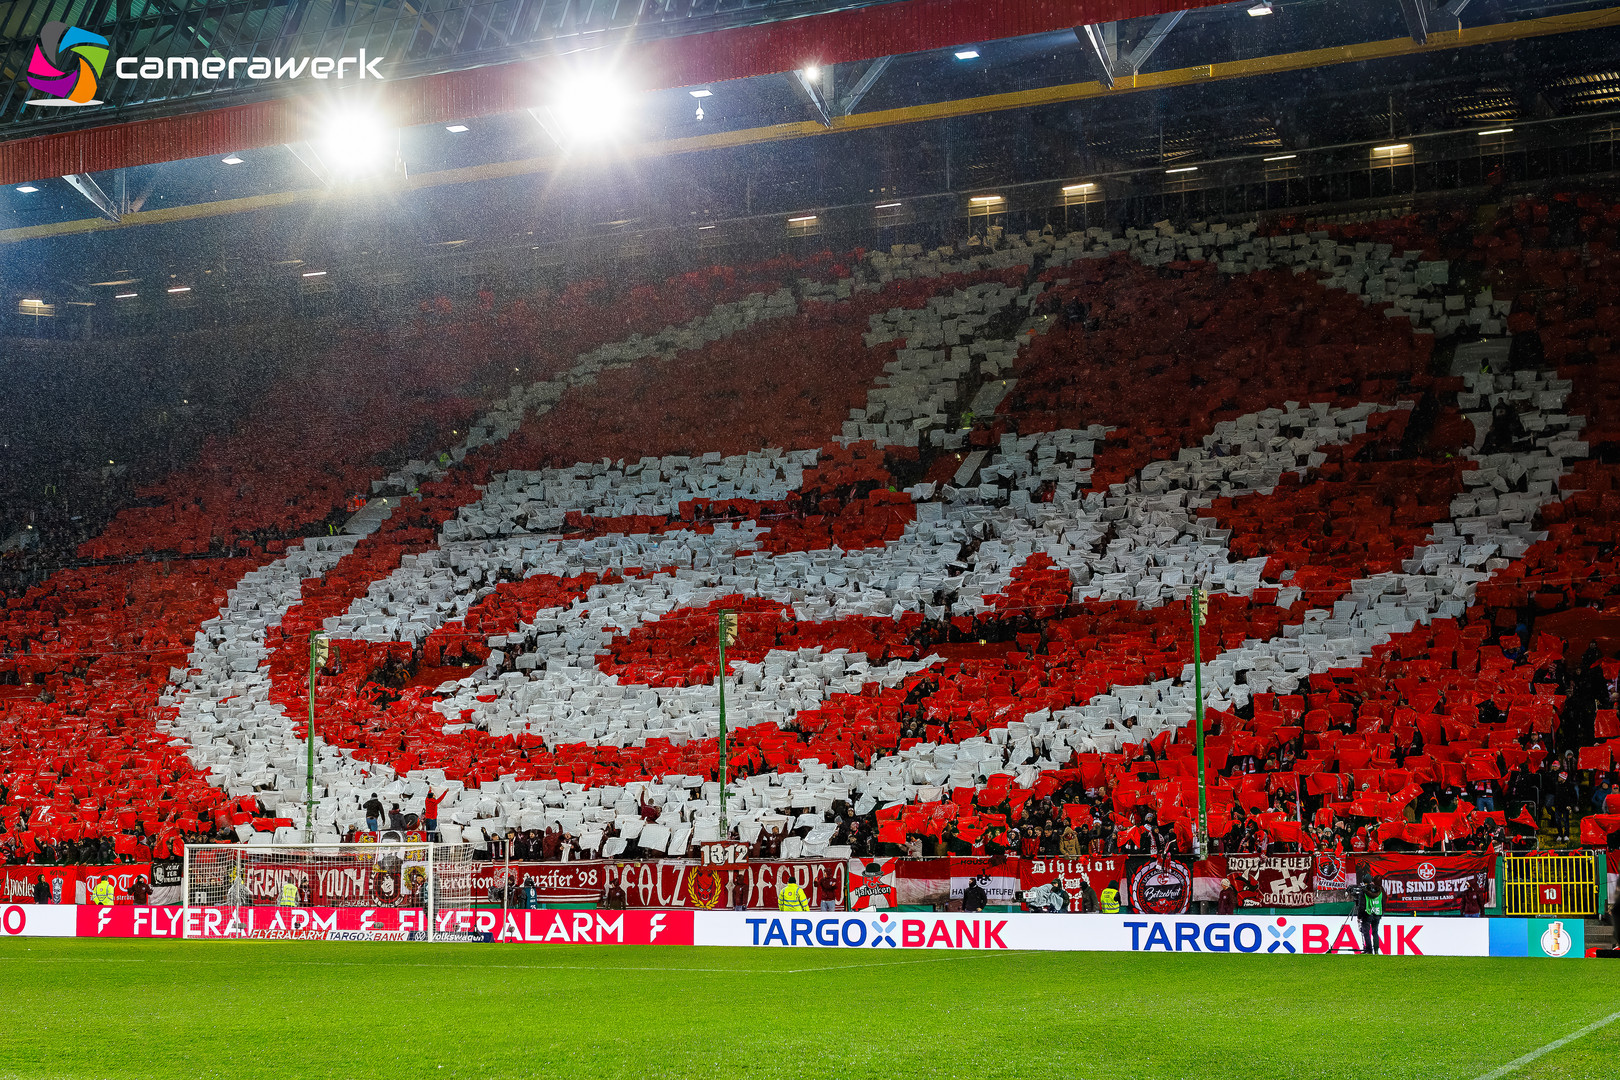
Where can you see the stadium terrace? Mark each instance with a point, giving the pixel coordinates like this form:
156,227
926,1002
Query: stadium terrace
805,531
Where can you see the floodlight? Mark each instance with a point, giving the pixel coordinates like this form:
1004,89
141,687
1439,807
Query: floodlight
592,106
356,139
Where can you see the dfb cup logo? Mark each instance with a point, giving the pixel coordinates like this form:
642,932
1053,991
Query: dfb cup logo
66,64
1161,888
1554,941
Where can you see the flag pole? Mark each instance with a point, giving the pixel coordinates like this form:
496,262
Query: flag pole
1199,599
724,629
317,641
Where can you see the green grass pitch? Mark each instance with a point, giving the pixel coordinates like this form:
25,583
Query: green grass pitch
289,1010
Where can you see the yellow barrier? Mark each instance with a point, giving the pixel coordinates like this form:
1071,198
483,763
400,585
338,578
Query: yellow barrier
1550,885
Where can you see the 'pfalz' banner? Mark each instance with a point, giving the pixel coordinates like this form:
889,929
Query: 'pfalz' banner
668,883
663,883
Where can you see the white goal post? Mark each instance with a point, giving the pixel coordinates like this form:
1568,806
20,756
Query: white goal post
420,886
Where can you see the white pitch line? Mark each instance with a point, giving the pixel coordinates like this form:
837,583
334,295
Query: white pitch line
495,967
1549,1048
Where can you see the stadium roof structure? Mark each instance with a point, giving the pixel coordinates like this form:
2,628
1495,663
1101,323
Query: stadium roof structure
909,99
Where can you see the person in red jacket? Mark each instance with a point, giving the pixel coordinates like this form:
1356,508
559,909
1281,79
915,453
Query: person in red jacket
827,887
430,810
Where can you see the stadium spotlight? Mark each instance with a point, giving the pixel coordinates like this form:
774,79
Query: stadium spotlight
1281,157
181,288
127,296
701,93
232,160
968,54
803,219
592,106
1262,8
1184,168
1393,148
456,128
1072,189
705,228
32,303
1498,131
985,199
315,273
812,72
888,206
356,139
26,188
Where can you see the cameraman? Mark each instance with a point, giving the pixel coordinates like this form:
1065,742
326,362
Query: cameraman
1368,895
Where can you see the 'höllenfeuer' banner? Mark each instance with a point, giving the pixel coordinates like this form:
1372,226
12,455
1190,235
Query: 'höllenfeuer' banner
1269,881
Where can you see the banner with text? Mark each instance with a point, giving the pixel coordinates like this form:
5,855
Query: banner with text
1053,884
1423,883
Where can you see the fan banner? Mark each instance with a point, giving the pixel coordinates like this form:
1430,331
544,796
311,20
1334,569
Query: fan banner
1268,881
388,880
672,883
1053,884
552,882
61,883
1423,883
872,884
922,881
999,878
72,884
1158,886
